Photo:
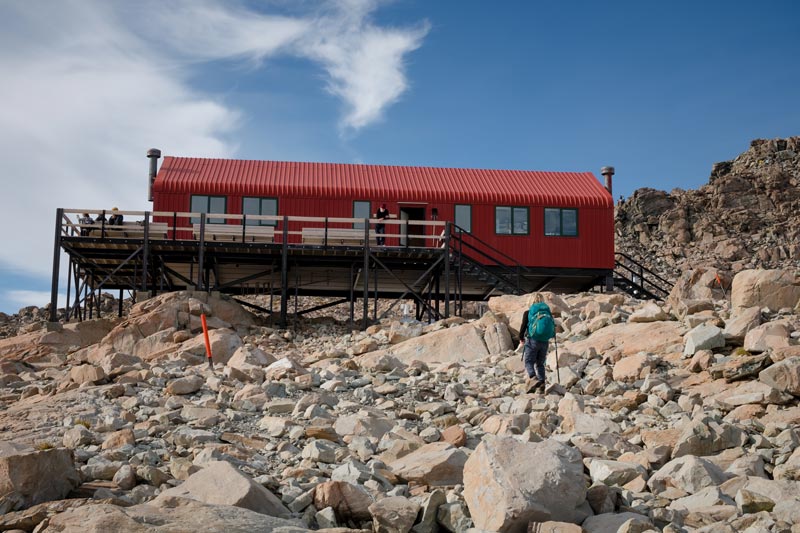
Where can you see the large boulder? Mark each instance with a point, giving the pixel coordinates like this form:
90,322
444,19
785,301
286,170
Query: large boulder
28,477
688,473
435,464
185,385
613,522
349,502
362,424
168,514
178,310
740,323
784,376
87,374
775,289
222,484
703,337
707,436
698,284
648,312
497,338
790,469
395,514
455,344
769,336
504,493
633,367
630,339
614,472
224,343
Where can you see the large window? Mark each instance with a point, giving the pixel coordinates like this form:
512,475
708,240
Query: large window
560,222
260,206
463,218
360,210
208,204
511,220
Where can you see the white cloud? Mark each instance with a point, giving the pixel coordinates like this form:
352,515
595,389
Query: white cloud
89,85
364,62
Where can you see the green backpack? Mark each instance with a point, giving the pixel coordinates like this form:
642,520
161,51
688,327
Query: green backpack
541,326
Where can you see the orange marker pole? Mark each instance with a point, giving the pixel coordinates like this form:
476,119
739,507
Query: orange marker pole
208,343
724,294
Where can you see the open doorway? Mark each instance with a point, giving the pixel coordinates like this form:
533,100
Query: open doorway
411,235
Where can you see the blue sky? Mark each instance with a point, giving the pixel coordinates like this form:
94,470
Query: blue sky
660,90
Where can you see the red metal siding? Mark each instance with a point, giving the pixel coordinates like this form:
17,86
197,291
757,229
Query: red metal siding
307,189
413,184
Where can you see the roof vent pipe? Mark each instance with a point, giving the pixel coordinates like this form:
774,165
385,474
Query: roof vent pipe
608,173
153,154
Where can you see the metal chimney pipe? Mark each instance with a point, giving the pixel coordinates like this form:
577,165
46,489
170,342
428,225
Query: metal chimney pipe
608,173
153,154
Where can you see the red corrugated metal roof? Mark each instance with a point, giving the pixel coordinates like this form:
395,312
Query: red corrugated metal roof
411,184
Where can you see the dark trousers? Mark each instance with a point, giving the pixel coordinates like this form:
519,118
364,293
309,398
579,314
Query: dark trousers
380,229
535,355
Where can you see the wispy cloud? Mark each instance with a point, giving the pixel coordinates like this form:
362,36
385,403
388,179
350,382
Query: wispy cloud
89,85
364,62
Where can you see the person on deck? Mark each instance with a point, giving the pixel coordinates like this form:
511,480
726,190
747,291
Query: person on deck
380,228
85,219
116,218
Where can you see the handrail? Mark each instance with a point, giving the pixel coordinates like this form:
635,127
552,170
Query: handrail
509,270
462,231
641,266
498,264
638,272
180,225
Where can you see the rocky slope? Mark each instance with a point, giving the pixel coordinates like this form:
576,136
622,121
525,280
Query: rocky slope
680,417
747,216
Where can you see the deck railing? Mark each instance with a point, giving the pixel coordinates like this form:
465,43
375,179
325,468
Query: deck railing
214,227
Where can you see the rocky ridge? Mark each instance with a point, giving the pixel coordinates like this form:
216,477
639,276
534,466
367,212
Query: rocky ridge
675,417
747,216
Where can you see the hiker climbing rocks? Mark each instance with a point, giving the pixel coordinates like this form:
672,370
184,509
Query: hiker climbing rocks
535,332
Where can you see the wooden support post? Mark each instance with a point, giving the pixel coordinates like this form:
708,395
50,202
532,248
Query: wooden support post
89,303
284,272
74,308
366,275
438,298
352,295
296,293
56,267
119,303
69,290
375,285
428,300
201,253
146,251
447,227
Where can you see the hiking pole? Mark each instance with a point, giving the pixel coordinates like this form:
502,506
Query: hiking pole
558,374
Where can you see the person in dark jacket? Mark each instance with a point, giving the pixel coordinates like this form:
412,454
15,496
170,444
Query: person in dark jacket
380,228
116,218
535,352
85,220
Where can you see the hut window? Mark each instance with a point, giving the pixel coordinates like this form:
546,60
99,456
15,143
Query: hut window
510,220
208,204
560,222
463,218
260,206
360,210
